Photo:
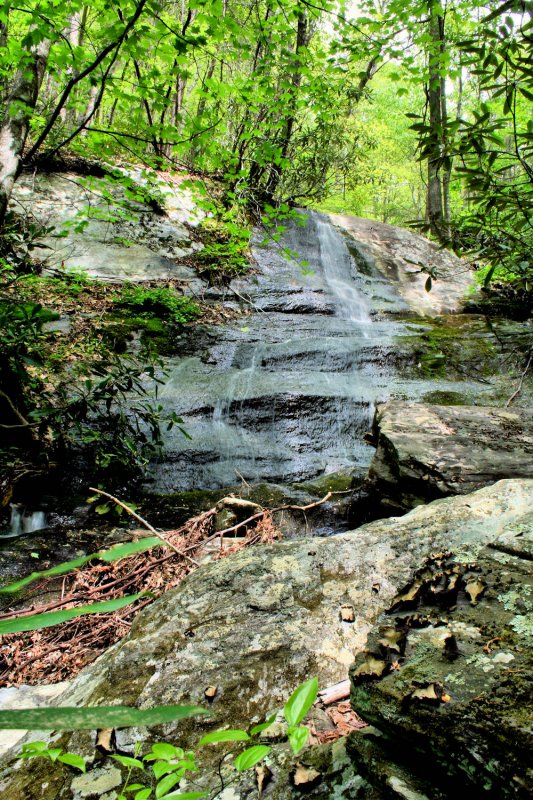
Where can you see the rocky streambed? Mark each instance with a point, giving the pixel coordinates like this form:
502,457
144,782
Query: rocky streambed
343,372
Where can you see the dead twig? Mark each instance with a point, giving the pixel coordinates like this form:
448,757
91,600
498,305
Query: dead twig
522,378
145,523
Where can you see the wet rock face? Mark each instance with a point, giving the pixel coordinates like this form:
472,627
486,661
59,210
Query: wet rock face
399,254
428,451
447,676
257,624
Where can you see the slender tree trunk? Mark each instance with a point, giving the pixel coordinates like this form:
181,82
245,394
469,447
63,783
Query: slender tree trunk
20,105
3,83
446,169
435,204
303,37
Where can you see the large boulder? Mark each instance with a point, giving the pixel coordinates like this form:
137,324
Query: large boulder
256,624
448,673
96,227
430,451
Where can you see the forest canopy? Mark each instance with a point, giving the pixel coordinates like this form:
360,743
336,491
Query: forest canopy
414,112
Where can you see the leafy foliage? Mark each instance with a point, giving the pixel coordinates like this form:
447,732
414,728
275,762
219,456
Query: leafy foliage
160,301
89,400
165,765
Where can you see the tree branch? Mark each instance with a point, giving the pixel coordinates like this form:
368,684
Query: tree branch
146,524
83,74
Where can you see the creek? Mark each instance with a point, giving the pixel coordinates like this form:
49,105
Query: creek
287,393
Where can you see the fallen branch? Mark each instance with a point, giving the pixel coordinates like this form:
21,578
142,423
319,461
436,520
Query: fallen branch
274,511
522,378
332,694
60,652
145,523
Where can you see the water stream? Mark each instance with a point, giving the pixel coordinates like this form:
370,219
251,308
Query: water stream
23,521
287,393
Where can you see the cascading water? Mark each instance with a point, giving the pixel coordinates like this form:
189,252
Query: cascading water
23,521
351,304
280,397
287,393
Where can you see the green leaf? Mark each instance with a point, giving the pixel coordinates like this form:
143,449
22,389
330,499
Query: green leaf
74,718
164,750
184,795
428,284
298,737
165,784
35,622
251,756
224,736
113,554
144,794
300,701
34,747
488,276
263,725
73,761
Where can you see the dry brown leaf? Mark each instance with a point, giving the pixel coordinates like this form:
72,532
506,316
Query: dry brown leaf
372,667
475,589
263,776
305,776
104,740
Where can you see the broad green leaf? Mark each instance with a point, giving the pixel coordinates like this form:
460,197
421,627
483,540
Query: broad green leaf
300,701
144,794
184,795
224,736
127,761
73,718
166,784
251,756
35,622
263,725
298,737
164,767
165,751
73,761
110,555
34,747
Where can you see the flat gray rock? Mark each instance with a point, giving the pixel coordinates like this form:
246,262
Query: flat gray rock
429,451
101,232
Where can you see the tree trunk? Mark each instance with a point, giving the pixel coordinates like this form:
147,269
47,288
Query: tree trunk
303,37
20,106
435,204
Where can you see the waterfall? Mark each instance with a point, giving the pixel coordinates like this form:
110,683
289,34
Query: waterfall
279,396
23,521
337,264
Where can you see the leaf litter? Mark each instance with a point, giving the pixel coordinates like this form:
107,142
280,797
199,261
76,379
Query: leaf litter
60,652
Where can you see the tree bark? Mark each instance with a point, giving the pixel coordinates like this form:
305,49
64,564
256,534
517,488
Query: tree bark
20,106
435,89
